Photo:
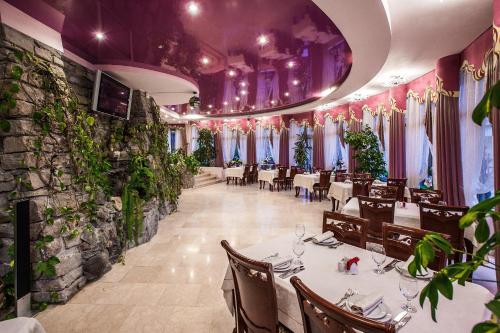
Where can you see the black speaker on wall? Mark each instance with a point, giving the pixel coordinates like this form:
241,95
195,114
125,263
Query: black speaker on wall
22,259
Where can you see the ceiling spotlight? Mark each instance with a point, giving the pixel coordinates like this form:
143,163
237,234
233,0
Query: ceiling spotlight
287,94
262,40
273,102
232,110
243,83
358,97
243,92
210,106
231,73
295,82
172,108
395,80
290,64
253,107
208,112
193,8
225,103
100,35
237,98
205,60
160,46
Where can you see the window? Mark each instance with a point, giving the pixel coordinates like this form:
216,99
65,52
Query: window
486,187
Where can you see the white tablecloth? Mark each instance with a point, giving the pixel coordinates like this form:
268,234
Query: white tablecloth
321,275
343,191
21,325
307,181
234,172
407,216
269,175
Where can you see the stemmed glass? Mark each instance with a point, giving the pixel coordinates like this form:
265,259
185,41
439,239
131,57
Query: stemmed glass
299,249
300,230
408,285
378,255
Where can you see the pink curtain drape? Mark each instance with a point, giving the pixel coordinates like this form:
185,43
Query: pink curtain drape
397,152
355,126
251,150
318,148
284,148
219,159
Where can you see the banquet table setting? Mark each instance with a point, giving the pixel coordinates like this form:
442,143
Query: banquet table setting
236,172
377,296
307,181
269,175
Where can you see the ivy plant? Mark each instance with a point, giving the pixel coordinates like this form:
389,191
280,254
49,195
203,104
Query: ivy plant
205,153
368,156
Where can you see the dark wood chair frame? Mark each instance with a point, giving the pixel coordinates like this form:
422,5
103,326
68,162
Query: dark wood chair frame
280,180
416,193
376,211
324,184
346,228
384,192
400,183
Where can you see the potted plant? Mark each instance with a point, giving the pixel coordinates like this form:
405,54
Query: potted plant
302,150
205,154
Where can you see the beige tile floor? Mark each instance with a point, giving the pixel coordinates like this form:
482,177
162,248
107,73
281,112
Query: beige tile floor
172,284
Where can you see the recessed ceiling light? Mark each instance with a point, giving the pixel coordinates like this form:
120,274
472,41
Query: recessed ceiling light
193,8
290,64
172,108
253,107
287,94
262,40
243,92
225,103
208,112
237,98
243,83
210,106
295,82
100,35
160,46
273,102
205,60
231,73
232,110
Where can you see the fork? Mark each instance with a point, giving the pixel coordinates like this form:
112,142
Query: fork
347,294
403,322
336,245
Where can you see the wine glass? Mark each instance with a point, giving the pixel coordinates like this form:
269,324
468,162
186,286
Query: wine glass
378,255
408,285
298,249
300,230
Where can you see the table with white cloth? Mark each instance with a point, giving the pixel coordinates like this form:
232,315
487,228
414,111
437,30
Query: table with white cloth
341,191
268,176
321,275
234,173
21,325
408,216
306,181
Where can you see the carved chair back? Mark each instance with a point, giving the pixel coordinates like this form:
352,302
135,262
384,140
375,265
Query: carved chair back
433,196
346,228
282,172
324,178
362,175
341,177
376,211
256,305
361,186
400,183
321,316
385,192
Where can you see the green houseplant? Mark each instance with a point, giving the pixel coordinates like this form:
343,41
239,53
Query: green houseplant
425,249
205,153
367,153
302,150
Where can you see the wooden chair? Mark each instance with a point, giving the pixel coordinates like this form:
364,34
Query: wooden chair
319,315
256,307
246,175
400,183
400,241
341,177
324,184
280,180
376,211
444,219
385,192
252,176
289,179
361,186
346,228
364,175
339,171
433,196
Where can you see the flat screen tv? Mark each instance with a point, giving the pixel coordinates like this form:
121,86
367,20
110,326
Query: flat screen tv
111,96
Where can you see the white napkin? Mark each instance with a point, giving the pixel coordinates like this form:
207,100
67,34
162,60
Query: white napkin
279,261
323,237
365,305
407,263
378,181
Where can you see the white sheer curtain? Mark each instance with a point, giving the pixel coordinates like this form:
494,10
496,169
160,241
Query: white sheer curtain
310,134
386,140
292,138
234,135
435,157
276,146
194,138
472,135
226,143
331,143
369,119
344,150
178,139
261,142
417,144
243,147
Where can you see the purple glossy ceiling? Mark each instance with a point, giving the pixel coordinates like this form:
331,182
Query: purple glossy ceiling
216,42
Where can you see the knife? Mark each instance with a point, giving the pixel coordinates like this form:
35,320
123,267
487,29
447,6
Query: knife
291,272
391,265
403,322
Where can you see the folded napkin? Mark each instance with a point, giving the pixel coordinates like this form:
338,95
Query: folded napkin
279,261
308,236
405,265
365,305
323,237
378,181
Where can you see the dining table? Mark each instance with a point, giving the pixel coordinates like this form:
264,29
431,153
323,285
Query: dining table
322,276
408,215
342,191
236,172
267,176
307,181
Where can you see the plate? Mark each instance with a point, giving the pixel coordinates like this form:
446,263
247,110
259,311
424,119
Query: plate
380,313
399,267
326,242
283,267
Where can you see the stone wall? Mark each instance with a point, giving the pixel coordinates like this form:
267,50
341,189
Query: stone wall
90,254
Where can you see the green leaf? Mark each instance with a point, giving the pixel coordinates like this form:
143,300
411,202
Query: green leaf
486,327
90,121
468,219
4,125
494,307
444,285
495,95
19,55
14,88
17,71
482,231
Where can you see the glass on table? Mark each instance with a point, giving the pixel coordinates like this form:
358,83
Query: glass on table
300,230
408,286
298,248
378,255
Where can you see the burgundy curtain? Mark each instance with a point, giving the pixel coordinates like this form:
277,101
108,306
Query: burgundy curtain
251,151
428,115
355,126
340,131
380,130
318,148
219,160
397,152
284,148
